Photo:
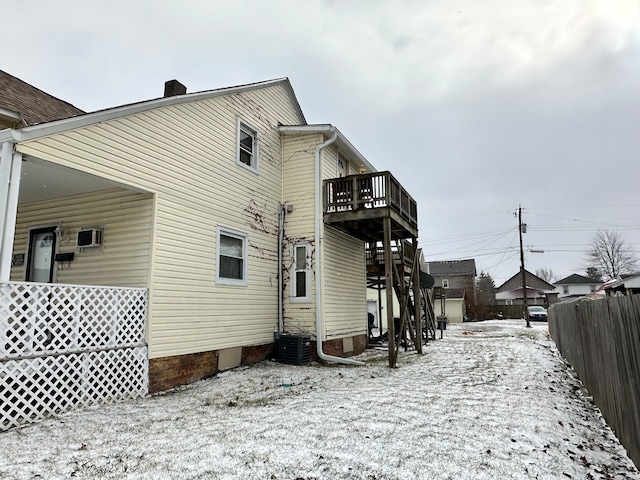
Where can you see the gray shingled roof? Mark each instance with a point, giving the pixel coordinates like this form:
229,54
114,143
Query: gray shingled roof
453,267
576,279
33,105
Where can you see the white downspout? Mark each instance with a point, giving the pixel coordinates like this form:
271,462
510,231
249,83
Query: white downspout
318,242
10,167
280,283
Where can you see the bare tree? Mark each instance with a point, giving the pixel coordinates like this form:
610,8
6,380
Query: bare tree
610,255
546,274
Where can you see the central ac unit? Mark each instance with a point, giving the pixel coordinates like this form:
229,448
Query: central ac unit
89,237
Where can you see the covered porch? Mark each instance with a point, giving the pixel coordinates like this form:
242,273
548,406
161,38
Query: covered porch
73,308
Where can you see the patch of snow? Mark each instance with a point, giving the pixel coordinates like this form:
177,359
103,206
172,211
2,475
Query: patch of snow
490,400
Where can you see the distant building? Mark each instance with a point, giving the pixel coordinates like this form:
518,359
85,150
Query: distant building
538,291
575,286
456,278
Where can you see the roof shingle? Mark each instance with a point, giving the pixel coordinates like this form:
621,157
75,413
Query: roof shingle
33,105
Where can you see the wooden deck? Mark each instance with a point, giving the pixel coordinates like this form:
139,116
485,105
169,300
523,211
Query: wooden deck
358,205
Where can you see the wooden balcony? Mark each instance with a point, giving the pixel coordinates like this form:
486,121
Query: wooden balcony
358,204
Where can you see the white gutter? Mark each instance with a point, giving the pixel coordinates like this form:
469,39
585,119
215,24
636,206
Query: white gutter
318,242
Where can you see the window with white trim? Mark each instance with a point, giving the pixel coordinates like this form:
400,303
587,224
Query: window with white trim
301,273
445,283
231,264
247,146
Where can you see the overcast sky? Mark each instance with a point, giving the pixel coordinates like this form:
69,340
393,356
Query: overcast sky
476,107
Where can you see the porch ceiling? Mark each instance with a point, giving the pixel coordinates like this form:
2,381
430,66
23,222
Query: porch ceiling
41,180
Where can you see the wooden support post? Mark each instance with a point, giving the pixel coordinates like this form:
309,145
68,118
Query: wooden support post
417,300
388,272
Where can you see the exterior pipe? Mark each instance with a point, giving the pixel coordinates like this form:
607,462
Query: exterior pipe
280,283
318,242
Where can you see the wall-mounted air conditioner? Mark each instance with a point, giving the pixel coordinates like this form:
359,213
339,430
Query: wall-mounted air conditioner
89,237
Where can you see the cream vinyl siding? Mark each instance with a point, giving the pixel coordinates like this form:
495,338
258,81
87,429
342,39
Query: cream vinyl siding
344,273
298,155
126,218
345,295
186,155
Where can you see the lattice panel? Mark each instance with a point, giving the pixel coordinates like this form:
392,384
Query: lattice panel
42,319
32,389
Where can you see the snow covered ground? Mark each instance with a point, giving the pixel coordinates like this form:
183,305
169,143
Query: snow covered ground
491,400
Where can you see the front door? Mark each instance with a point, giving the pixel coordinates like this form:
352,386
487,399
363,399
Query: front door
42,248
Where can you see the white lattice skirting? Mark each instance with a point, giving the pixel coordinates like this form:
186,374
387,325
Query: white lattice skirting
63,346
35,388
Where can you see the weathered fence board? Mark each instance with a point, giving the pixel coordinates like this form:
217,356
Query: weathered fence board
601,341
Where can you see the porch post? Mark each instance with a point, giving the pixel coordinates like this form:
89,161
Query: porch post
389,281
10,167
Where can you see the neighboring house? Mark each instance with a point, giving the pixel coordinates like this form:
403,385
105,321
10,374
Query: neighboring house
157,243
538,291
575,286
456,278
453,273
22,105
625,285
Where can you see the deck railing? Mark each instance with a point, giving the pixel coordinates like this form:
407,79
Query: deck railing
369,190
67,345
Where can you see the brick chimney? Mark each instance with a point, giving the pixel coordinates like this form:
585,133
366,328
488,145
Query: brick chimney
173,88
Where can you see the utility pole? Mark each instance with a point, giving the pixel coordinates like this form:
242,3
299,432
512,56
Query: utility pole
522,227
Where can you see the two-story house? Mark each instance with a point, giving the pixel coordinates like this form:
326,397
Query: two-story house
154,244
575,286
538,291
456,279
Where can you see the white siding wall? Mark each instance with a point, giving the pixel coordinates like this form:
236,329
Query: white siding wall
127,221
186,155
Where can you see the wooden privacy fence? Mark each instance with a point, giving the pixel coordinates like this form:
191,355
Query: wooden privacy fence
601,340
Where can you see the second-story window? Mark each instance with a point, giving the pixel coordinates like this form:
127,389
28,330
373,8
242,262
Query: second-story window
247,146
445,283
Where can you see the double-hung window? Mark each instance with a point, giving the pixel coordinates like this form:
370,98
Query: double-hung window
247,146
445,283
232,257
301,273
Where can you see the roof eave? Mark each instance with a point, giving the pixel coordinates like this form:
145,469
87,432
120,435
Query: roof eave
58,126
327,130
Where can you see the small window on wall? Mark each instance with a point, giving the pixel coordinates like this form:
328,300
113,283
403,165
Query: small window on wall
301,273
445,283
231,265
247,146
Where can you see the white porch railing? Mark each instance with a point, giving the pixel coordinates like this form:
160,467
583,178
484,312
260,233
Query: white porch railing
68,345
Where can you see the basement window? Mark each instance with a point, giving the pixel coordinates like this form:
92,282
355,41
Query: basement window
247,148
231,262
301,273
